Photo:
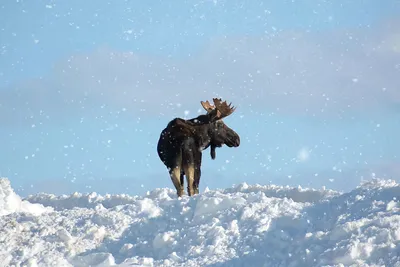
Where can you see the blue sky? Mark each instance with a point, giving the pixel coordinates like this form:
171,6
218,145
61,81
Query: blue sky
86,88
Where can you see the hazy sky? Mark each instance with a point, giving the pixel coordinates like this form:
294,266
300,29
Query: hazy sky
87,86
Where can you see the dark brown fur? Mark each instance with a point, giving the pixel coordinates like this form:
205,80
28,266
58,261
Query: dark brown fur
181,143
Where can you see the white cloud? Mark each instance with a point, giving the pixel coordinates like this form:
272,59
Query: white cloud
316,76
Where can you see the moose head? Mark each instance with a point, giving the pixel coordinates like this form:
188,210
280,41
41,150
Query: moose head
181,143
220,133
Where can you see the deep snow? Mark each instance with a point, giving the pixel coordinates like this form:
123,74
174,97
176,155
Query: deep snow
246,225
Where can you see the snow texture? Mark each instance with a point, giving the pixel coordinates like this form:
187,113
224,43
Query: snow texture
246,225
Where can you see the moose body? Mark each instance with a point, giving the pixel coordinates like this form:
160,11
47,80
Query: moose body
181,144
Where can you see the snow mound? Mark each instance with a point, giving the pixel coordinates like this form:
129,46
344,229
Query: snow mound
246,225
11,202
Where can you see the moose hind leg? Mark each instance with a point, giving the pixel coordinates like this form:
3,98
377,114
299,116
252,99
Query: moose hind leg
175,174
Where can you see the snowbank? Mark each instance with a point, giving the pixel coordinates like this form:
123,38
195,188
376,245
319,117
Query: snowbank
246,225
11,202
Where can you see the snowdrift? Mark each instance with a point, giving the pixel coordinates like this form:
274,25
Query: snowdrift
246,225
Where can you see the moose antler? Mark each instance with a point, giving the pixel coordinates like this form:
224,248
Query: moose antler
219,110
207,106
223,109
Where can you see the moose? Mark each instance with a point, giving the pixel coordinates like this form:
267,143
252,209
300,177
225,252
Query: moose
181,143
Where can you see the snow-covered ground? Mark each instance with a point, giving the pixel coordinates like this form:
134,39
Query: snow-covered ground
246,225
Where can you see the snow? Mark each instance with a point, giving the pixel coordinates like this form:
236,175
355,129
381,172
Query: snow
11,202
252,225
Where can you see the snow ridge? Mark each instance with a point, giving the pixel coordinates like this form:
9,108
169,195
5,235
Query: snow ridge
11,202
246,225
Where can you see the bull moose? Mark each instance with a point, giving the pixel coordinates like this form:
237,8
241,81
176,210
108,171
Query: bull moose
181,143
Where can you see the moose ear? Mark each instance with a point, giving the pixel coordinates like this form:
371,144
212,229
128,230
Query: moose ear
214,115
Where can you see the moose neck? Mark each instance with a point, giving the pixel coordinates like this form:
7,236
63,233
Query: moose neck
205,139
205,133
203,130
203,136
213,144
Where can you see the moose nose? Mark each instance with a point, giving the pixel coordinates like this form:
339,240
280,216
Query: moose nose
235,140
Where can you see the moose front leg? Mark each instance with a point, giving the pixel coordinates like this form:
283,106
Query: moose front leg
197,173
189,172
196,182
189,163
